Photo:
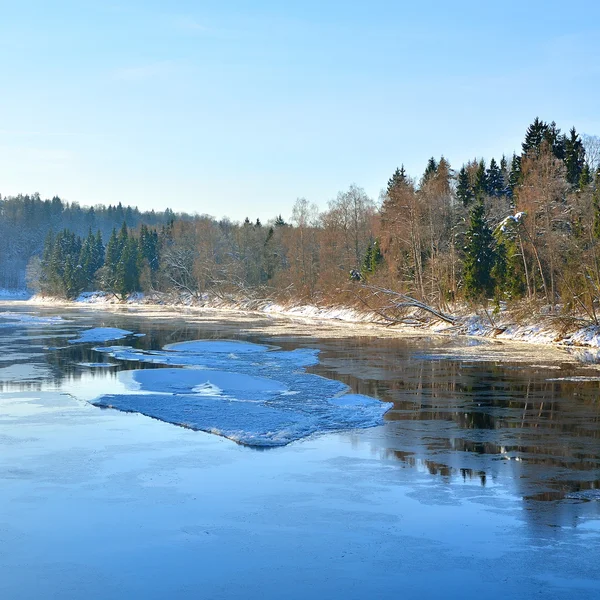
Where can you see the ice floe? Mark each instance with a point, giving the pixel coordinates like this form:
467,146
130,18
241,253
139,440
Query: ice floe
254,394
101,334
29,319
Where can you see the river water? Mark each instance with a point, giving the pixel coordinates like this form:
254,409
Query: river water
482,478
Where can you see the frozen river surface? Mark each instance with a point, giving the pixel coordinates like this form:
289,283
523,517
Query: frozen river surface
412,468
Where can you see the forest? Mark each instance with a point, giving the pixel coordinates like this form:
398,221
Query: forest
523,229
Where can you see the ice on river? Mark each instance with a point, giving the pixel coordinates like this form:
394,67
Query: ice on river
250,393
101,334
28,319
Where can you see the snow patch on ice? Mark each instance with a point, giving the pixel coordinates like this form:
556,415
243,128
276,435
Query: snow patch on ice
260,397
101,334
30,319
186,380
217,346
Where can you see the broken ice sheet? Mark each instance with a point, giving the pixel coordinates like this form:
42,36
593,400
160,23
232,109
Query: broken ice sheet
253,394
101,334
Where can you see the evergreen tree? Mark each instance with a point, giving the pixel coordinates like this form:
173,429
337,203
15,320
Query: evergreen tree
464,191
495,180
397,179
479,256
514,179
481,187
586,177
373,258
279,222
507,271
148,244
539,133
113,253
574,157
430,171
127,277
504,169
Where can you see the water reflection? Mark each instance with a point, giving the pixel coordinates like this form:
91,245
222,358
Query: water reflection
456,417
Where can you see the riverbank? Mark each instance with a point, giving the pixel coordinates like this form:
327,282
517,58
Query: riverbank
547,330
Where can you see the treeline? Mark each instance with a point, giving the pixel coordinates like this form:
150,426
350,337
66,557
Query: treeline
520,227
26,220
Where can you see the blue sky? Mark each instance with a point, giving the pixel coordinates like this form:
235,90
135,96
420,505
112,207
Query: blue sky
238,108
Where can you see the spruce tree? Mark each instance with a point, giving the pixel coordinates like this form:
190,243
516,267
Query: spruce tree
574,158
481,187
373,258
507,272
479,256
398,178
128,271
586,177
464,191
504,169
495,181
514,178
430,171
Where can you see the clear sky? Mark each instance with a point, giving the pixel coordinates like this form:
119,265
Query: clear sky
238,108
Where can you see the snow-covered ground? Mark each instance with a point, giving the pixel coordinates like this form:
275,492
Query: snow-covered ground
539,332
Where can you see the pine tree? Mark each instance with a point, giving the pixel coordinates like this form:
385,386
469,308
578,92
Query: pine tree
574,158
464,191
507,271
398,178
539,133
430,171
514,178
479,256
586,177
113,253
98,251
504,169
481,187
148,244
279,222
534,136
128,271
373,258
495,181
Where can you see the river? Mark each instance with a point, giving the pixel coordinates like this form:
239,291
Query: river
482,478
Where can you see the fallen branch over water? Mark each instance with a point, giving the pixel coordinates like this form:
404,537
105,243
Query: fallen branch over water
403,301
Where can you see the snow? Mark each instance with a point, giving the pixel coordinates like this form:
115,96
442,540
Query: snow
255,395
541,332
217,346
185,380
29,319
516,218
101,334
107,298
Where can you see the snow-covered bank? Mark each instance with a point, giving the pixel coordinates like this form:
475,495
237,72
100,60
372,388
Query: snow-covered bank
539,329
